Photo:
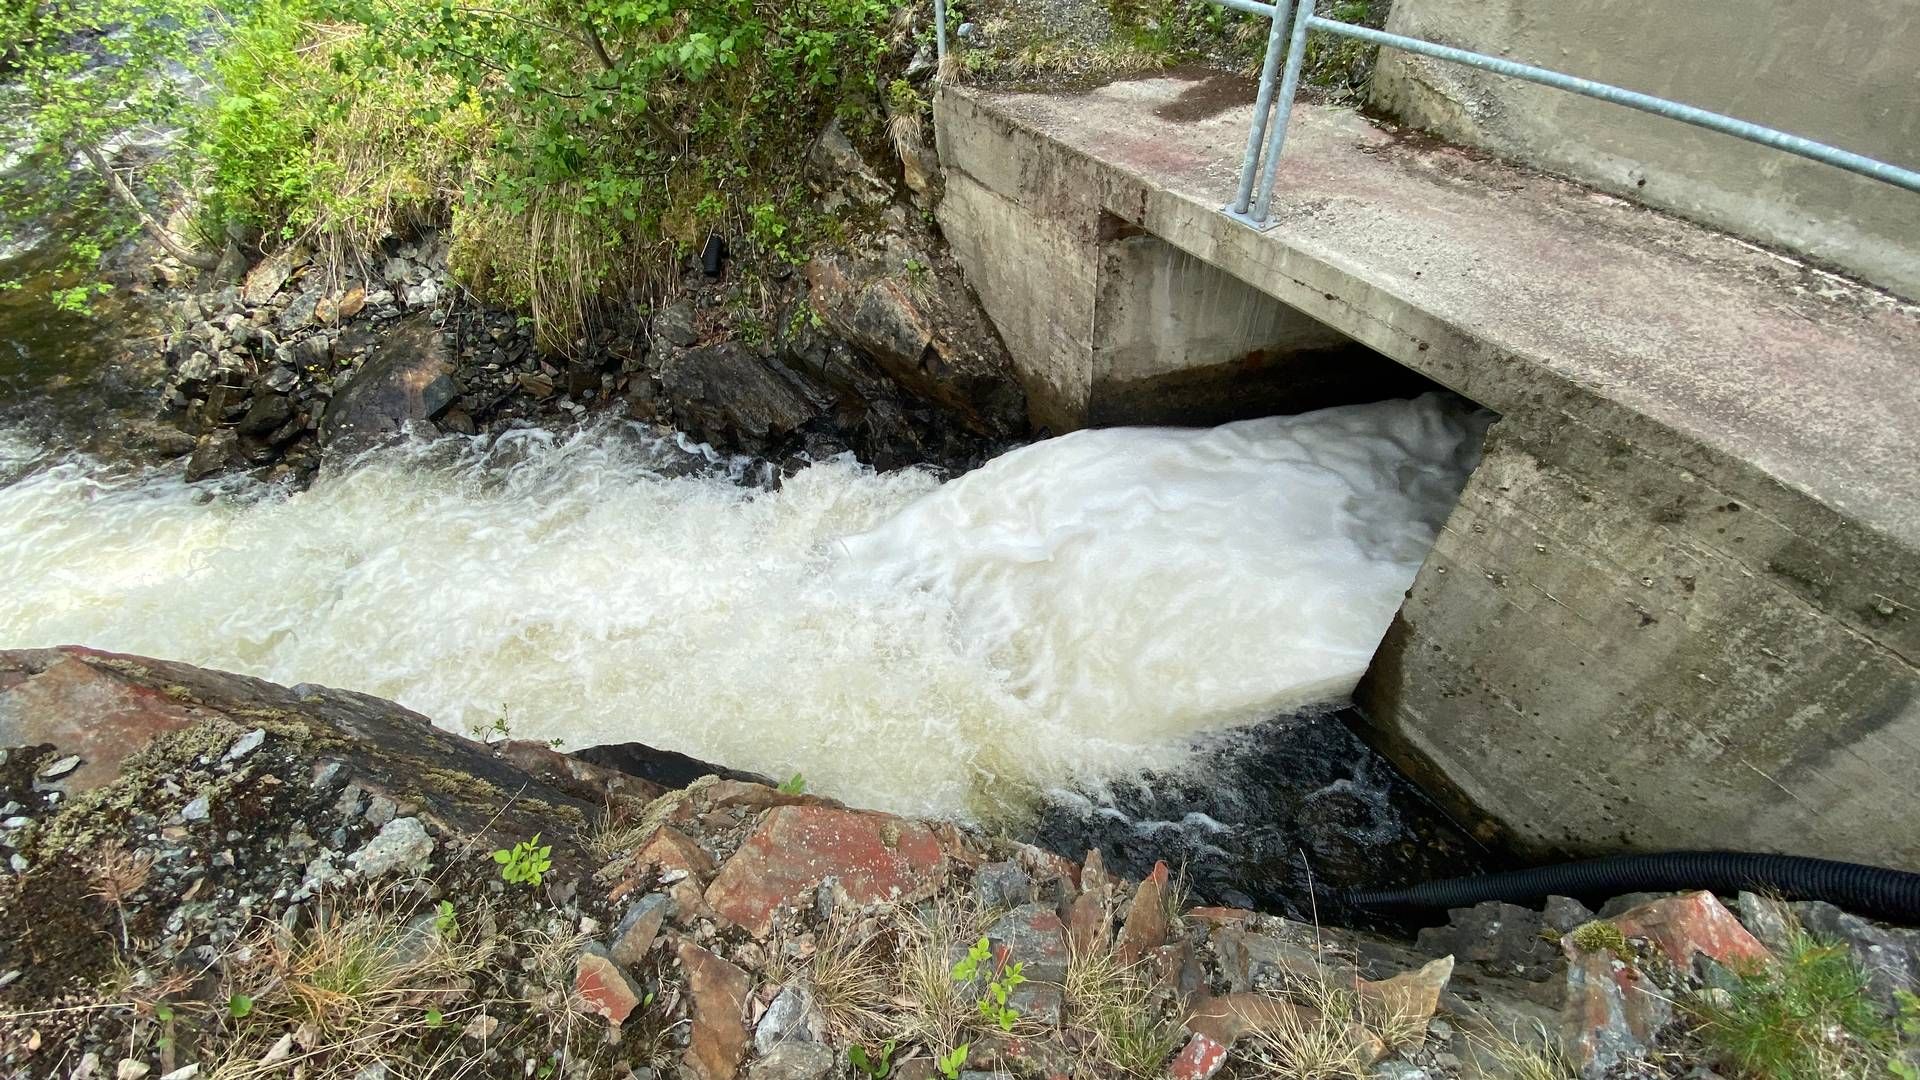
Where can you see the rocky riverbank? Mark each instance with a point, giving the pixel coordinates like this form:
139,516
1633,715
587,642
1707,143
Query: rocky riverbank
877,348
210,875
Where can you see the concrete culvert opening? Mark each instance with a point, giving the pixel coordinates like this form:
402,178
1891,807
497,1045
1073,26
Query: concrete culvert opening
1179,341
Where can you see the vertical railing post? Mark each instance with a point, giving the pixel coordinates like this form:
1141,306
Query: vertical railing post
1289,87
1262,106
940,30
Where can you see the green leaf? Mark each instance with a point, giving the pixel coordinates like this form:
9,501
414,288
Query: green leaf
239,1006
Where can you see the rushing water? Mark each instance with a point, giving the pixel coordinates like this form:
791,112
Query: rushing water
1070,614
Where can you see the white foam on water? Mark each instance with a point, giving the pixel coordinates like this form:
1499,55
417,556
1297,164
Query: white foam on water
1070,613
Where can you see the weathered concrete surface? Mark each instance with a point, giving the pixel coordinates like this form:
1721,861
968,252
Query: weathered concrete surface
1842,74
1176,341
1676,605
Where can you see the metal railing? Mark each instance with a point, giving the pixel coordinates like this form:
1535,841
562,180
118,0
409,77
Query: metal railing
1253,202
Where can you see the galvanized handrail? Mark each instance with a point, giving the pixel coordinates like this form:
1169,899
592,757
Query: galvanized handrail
1262,167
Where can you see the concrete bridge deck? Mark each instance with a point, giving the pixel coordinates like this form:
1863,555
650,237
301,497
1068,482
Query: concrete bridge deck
1681,609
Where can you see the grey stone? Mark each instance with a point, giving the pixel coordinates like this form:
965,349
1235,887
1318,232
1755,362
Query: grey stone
405,379
197,368
792,1017
267,412
425,294
638,927
329,776
1002,885
1890,956
199,808
794,1061
1033,935
1501,939
1564,914
728,394
60,768
300,313
216,450
1765,918
674,323
380,810
402,845
280,379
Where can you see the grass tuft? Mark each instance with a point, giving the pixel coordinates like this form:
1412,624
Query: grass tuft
1806,1016
847,972
1129,1030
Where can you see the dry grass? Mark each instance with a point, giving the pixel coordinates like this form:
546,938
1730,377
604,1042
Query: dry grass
1509,1058
930,1007
1317,1041
115,875
550,258
907,132
364,982
1128,1029
620,828
848,974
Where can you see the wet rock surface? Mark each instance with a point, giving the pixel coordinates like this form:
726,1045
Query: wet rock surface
1279,816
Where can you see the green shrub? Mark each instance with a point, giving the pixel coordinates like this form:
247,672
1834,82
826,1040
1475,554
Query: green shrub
306,143
1806,1016
626,131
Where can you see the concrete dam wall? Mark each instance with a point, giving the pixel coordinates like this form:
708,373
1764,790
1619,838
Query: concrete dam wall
1674,606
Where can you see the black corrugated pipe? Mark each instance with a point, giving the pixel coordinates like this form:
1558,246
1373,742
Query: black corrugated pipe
1873,891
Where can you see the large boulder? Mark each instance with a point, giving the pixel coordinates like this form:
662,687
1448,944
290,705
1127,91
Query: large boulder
407,379
730,395
905,306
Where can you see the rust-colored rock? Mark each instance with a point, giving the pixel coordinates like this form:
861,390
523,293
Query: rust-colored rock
103,707
1229,1017
1697,924
670,849
1411,995
1089,929
1221,916
874,857
719,1038
1147,921
1201,1058
86,703
581,779
603,987
1612,1012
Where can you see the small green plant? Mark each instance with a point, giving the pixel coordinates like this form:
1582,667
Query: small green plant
993,1005
434,1017
1805,1016
953,1061
498,729
445,922
526,862
239,1006
795,785
1907,1022
875,1065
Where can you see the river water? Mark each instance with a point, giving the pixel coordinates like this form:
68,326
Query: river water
1070,614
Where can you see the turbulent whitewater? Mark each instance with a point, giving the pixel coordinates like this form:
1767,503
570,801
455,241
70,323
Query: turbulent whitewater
1074,611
